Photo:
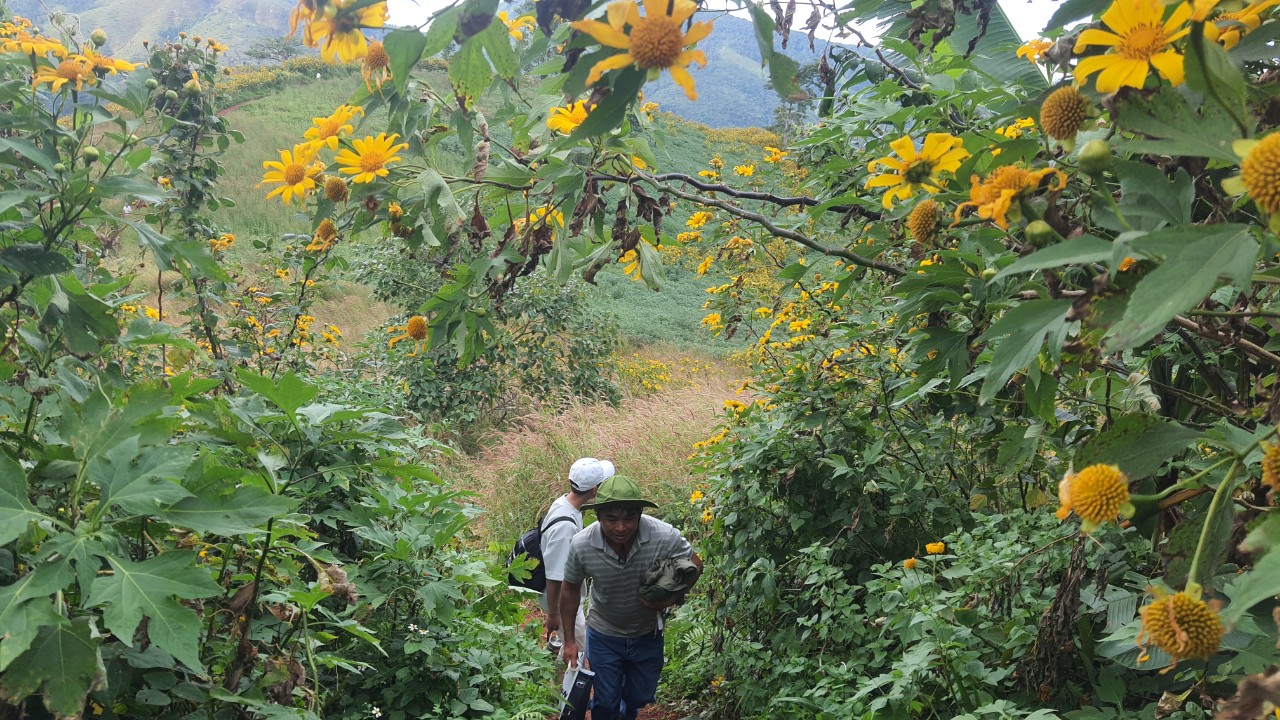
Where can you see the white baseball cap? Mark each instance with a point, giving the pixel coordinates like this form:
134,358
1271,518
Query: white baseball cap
587,473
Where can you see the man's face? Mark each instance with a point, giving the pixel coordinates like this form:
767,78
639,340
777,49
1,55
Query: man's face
619,524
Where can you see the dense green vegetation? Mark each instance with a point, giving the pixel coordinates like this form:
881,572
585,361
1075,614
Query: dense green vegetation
955,301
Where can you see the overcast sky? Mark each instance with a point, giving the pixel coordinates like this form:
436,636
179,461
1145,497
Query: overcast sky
1028,16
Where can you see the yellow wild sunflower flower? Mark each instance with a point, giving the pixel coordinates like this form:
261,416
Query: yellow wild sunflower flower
1097,494
1139,38
1063,112
911,170
326,131
1271,465
567,119
295,172
22,40
698,219
103,64
74,71
326,235
705,265
516,28
338,24
335,188
993,196
369,160
541,216
1182,624
655,42
1034,49
773,154
1259,172
923,221
910,563
935,548
744,170
630,261
414,329
1235,25
376,66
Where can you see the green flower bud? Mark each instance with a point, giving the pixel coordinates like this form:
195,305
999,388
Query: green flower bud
1095,157
99,37
152,83
90,153
1040,234
171,95
988,273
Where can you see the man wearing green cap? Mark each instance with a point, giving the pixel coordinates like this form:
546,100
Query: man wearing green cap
624,628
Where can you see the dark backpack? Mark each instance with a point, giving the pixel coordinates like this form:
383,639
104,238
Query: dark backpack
530,544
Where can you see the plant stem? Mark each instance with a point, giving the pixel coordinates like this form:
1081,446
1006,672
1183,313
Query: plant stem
1223,491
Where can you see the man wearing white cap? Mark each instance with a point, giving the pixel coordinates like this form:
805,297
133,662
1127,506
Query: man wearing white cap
585,476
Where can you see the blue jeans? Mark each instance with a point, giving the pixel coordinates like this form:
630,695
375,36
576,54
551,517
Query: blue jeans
627,671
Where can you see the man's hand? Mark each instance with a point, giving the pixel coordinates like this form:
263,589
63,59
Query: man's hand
553,623
658,607
570,653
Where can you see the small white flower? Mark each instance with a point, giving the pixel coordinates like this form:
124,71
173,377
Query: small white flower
377,712
422,631
412,628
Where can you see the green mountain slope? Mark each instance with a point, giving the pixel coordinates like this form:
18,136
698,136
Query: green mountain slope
234,23
733,88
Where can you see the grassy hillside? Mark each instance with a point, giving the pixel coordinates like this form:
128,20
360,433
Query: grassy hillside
671,317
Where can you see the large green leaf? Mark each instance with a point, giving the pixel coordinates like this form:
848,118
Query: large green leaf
1210,72
140,480
63,664
1257,585
149,589
245,510
34,260
612,110
1168,126
1139,444
469,70
16,510
1077,250
404,49
1185,278
497,44
291,393
994,52
1023,329
26,606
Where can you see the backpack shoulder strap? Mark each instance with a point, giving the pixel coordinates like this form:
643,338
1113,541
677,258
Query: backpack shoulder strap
553,522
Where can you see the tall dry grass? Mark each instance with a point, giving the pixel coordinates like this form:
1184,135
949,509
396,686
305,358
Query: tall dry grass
648,438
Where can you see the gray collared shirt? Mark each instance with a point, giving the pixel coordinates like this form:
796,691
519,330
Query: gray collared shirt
615,585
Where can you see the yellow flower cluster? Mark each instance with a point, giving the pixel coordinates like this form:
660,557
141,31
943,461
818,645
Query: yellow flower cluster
365,160
935,548
744,170
689,237
222,243
773,154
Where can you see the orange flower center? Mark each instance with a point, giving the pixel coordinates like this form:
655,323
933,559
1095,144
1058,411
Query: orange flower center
1261,173
1142,42
294,173
417,327
377,59
70,70
372,161
656,42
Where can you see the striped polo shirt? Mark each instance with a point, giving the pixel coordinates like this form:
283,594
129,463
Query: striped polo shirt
615,585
